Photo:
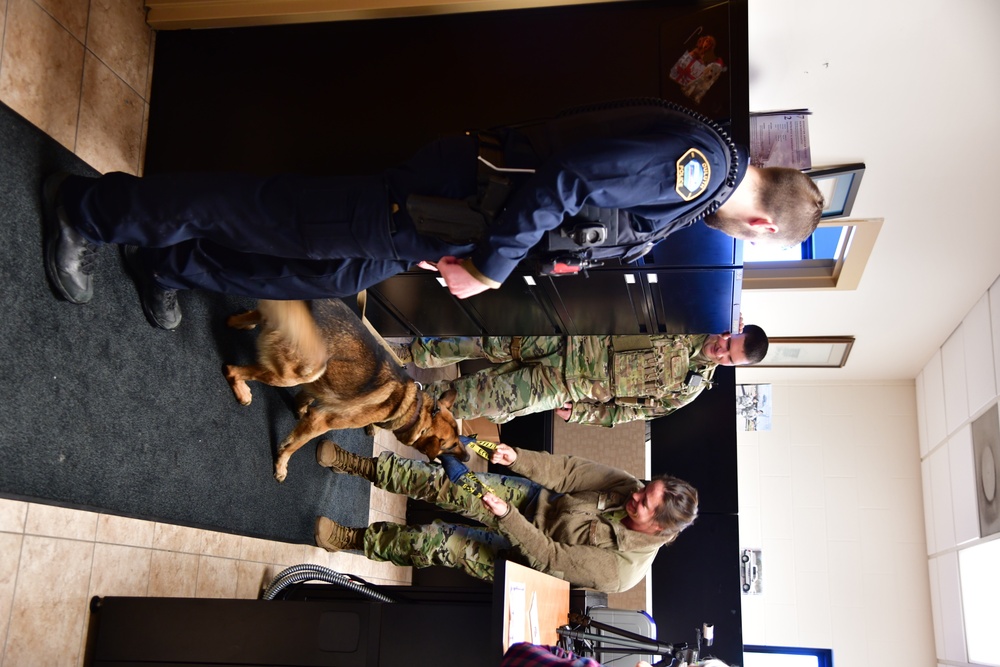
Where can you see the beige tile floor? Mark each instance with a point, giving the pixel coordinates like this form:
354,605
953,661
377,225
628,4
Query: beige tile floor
54,560
80,70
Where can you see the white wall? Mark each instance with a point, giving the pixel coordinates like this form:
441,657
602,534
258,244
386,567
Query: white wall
909,89
832,495
835,495
862,497
956,386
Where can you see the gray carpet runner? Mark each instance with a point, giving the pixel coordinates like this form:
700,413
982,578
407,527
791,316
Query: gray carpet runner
102,412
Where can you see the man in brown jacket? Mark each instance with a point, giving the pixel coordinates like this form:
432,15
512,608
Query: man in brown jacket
592,525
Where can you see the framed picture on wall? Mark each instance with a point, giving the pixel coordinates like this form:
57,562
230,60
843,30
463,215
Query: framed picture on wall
839,185
808,352
697,56
753,407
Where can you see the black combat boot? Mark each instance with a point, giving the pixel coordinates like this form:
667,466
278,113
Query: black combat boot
69,257
160,305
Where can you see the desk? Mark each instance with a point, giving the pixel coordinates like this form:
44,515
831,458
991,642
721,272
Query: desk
551,597
327,625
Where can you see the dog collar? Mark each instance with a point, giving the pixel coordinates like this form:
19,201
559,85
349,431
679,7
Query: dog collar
416,412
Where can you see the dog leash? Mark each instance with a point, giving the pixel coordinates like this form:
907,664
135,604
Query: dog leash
462,476
362,304
483,448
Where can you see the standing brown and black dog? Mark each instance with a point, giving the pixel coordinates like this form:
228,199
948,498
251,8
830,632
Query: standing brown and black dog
348,379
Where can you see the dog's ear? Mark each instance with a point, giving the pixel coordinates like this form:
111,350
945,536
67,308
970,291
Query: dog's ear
447,399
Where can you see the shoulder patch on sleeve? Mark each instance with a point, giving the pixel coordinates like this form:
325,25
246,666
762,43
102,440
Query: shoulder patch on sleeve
693,174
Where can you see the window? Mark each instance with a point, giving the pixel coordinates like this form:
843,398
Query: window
834,257
980,587
825,243
786,656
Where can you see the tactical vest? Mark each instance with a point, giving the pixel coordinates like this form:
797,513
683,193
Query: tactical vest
653,367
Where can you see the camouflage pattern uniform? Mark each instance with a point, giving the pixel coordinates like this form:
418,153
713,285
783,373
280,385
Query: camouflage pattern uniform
565,520
609,379
468,548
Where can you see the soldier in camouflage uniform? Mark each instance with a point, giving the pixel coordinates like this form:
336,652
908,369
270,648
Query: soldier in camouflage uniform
604,380
470,548
590,524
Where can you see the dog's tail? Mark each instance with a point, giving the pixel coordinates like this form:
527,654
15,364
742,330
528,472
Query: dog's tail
295,324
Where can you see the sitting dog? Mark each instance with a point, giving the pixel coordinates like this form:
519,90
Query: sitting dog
348,379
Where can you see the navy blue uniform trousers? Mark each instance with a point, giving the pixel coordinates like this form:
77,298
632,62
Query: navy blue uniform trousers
278,237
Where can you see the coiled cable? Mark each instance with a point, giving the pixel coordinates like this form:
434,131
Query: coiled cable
297,574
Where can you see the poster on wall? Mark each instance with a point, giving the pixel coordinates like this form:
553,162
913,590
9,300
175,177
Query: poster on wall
780,139
751,581
696,57
753,407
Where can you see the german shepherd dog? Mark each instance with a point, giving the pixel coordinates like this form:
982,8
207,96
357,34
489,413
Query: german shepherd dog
348,379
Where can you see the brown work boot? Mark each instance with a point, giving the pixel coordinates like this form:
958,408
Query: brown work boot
402,352
333,537
331,455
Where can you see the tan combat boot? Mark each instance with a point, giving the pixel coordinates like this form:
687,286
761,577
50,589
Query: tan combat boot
330,455
331,536
402,352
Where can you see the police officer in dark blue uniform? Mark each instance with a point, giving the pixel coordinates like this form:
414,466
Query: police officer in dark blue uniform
601,182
